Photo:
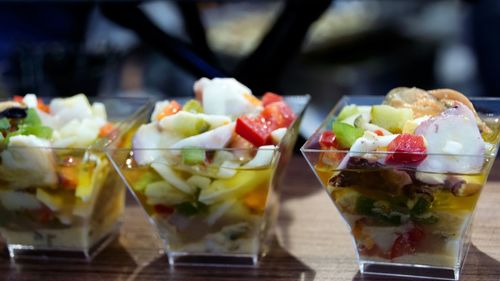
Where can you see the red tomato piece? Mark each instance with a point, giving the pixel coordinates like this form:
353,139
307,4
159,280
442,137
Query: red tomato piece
327,140
162,209
407,148
279,114
406,243
255,130
270,97
379,132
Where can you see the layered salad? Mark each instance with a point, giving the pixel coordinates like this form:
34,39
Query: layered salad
406,174
52,183
203,169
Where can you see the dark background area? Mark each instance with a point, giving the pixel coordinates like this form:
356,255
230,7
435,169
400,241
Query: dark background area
326,49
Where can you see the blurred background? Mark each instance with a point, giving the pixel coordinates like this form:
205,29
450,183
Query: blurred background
323,48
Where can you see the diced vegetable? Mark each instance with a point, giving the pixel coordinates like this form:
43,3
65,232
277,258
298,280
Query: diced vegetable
221,156
193,156
362,123
279,114
89,174
346,134
227,169
173,178
256,199
193,106
234,187
255,130
171,108
199,181
263,158
164,193
145,179
185,124
270,97
327,140
35,130
106,129
390,118
347,111
408,149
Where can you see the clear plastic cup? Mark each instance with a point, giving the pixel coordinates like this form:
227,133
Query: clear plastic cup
43,215
211,213
400,224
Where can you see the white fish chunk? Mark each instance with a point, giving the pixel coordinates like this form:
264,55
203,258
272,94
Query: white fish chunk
226,96
28,161
148,143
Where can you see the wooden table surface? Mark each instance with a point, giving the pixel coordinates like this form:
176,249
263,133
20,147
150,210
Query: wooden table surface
312,243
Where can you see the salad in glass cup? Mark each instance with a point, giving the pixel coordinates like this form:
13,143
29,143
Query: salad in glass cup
59,196
405,171
206,170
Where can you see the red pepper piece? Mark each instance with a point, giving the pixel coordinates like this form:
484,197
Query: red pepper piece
270,97
255,130
407,148
279,114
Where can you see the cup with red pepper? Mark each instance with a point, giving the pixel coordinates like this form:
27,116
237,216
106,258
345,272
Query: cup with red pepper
405,172
206,170
59,196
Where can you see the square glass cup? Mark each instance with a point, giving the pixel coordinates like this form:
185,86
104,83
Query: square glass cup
401,228
215,213
64,202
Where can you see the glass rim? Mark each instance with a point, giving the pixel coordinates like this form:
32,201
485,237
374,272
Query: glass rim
314,150
90,98
101,142
306,147
304,99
